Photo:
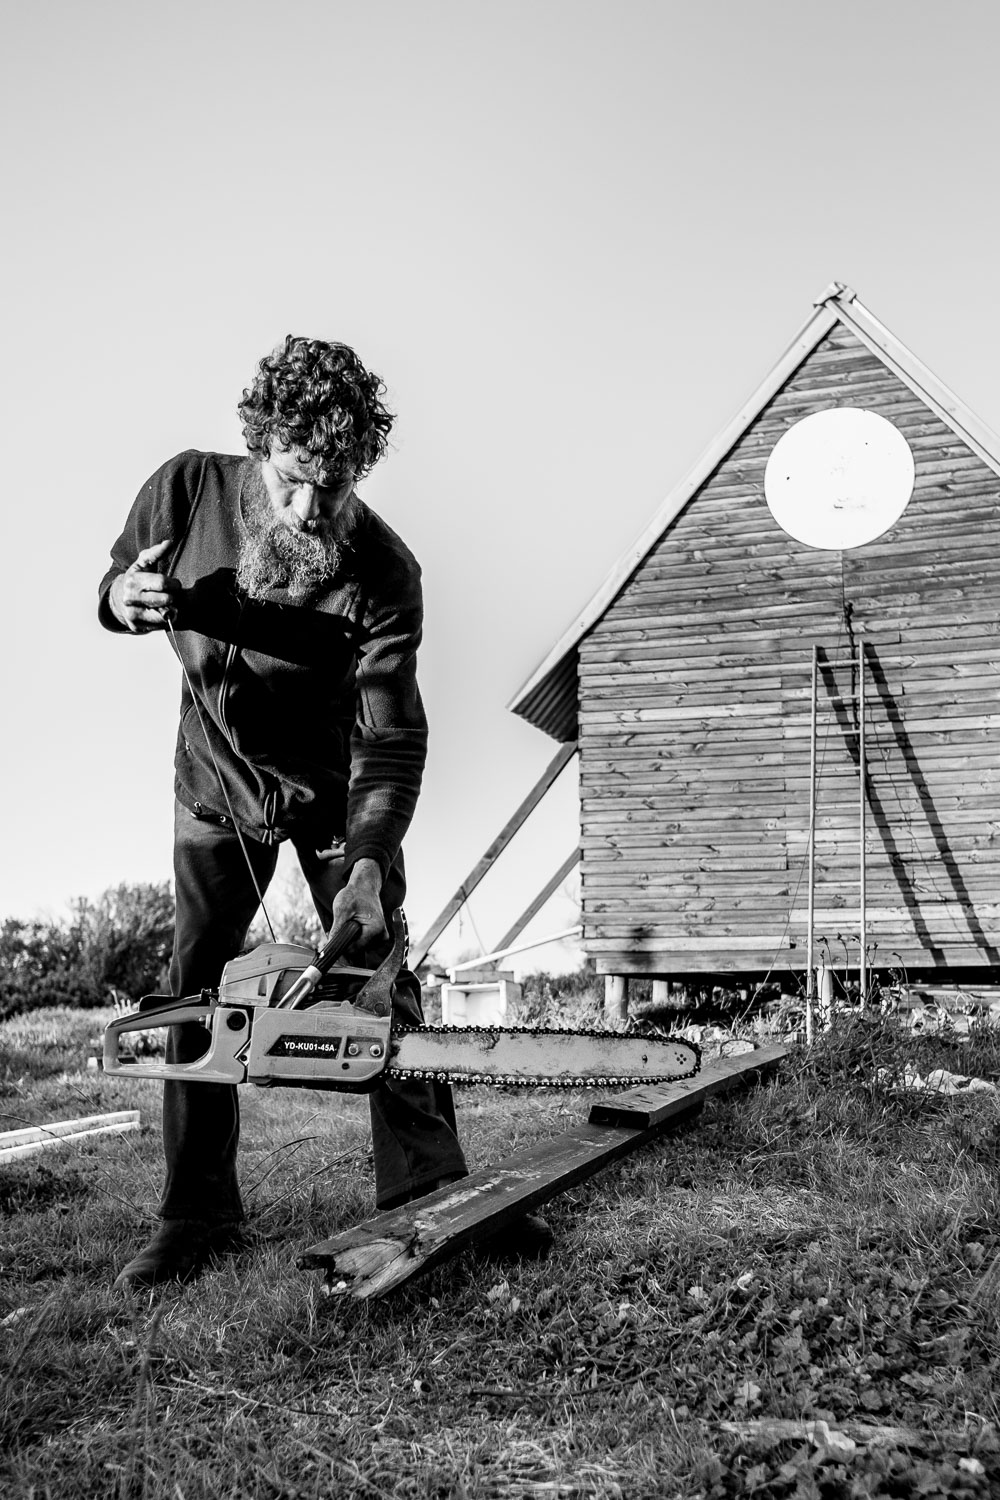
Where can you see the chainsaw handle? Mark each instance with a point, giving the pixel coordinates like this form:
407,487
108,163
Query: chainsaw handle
165,1015
218,1065
336,944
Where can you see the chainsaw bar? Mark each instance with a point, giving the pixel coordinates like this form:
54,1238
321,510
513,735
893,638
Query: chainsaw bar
539,1057
285,1017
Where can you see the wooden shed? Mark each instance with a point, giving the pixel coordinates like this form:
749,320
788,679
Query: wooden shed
722,815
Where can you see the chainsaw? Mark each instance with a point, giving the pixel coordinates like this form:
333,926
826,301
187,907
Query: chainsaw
286,1016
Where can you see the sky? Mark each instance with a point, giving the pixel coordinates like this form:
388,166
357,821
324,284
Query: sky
571,235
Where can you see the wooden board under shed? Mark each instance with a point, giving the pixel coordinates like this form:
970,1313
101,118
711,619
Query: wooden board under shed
389,1249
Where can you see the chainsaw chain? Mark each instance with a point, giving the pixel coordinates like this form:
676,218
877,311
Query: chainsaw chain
518,1080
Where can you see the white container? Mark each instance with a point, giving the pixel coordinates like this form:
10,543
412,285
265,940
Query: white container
478,1002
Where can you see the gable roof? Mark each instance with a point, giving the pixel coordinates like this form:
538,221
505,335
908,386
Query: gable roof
548,698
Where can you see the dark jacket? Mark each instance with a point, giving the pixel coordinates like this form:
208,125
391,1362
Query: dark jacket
313,711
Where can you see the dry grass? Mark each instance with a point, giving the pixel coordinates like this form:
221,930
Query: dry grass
825,1248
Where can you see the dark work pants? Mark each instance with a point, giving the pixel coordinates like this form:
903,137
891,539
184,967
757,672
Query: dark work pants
414,1137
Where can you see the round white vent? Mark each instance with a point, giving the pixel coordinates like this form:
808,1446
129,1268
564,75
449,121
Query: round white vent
839,478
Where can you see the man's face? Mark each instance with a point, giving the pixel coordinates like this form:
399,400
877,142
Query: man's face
295,527
302,495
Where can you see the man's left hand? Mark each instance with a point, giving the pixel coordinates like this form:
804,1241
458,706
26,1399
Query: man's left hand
361,899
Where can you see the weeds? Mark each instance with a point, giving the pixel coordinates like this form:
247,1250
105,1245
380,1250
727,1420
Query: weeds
732,1312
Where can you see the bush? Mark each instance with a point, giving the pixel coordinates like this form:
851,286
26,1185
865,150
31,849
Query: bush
117,946
574,999
125,937
39,967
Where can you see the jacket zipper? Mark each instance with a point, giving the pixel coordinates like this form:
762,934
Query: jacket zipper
230,658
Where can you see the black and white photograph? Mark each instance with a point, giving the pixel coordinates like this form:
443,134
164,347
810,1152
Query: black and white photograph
500,906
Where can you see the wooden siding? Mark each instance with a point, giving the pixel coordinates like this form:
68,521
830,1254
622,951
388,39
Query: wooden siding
694,708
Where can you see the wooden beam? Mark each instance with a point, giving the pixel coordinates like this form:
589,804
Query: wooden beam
540,900
646,1107
384,1252
34,1138
499,844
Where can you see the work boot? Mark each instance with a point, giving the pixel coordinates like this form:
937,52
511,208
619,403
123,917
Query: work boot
526,1238
178,1251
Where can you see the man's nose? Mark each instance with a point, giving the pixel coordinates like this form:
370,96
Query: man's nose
305,502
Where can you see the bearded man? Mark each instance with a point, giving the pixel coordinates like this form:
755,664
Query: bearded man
297,614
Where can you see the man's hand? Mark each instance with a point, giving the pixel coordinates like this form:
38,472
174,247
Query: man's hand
141,598
361,899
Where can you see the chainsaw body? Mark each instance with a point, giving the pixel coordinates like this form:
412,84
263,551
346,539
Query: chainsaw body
259,1034
284,1016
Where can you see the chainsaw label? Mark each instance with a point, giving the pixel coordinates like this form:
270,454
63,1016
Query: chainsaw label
305,1046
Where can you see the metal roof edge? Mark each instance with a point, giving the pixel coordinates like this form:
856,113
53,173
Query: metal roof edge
981,438
813,330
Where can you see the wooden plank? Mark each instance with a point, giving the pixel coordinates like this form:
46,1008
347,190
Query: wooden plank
941,909
645,1107
675,684
738,687
627,677
675,742
710,715
715,961
641,907
670,944
648,851
685,861
499,844
384,1252
950,786
31,1139
682,578
914,954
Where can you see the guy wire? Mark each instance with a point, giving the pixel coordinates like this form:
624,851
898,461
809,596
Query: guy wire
218,772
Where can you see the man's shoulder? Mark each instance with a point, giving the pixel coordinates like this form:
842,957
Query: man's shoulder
193,465
381,547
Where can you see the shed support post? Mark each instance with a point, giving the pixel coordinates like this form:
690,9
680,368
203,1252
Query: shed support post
661,992
824,995
862,801
615,998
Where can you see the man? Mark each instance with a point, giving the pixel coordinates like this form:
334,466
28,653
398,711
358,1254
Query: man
297,615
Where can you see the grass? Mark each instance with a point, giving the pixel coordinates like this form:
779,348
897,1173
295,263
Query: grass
825,1248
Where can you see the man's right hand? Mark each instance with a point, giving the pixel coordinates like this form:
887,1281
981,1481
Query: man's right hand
141,598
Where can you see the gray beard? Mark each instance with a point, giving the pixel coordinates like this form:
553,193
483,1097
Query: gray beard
276,553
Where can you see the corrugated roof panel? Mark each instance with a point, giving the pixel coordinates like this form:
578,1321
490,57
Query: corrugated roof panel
552,705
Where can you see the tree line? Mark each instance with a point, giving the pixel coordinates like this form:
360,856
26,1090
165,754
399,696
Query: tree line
116,946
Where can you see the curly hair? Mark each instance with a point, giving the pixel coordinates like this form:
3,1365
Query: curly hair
317,399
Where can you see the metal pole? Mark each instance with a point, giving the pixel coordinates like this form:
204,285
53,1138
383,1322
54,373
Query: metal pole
499,953
863,770
810,970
